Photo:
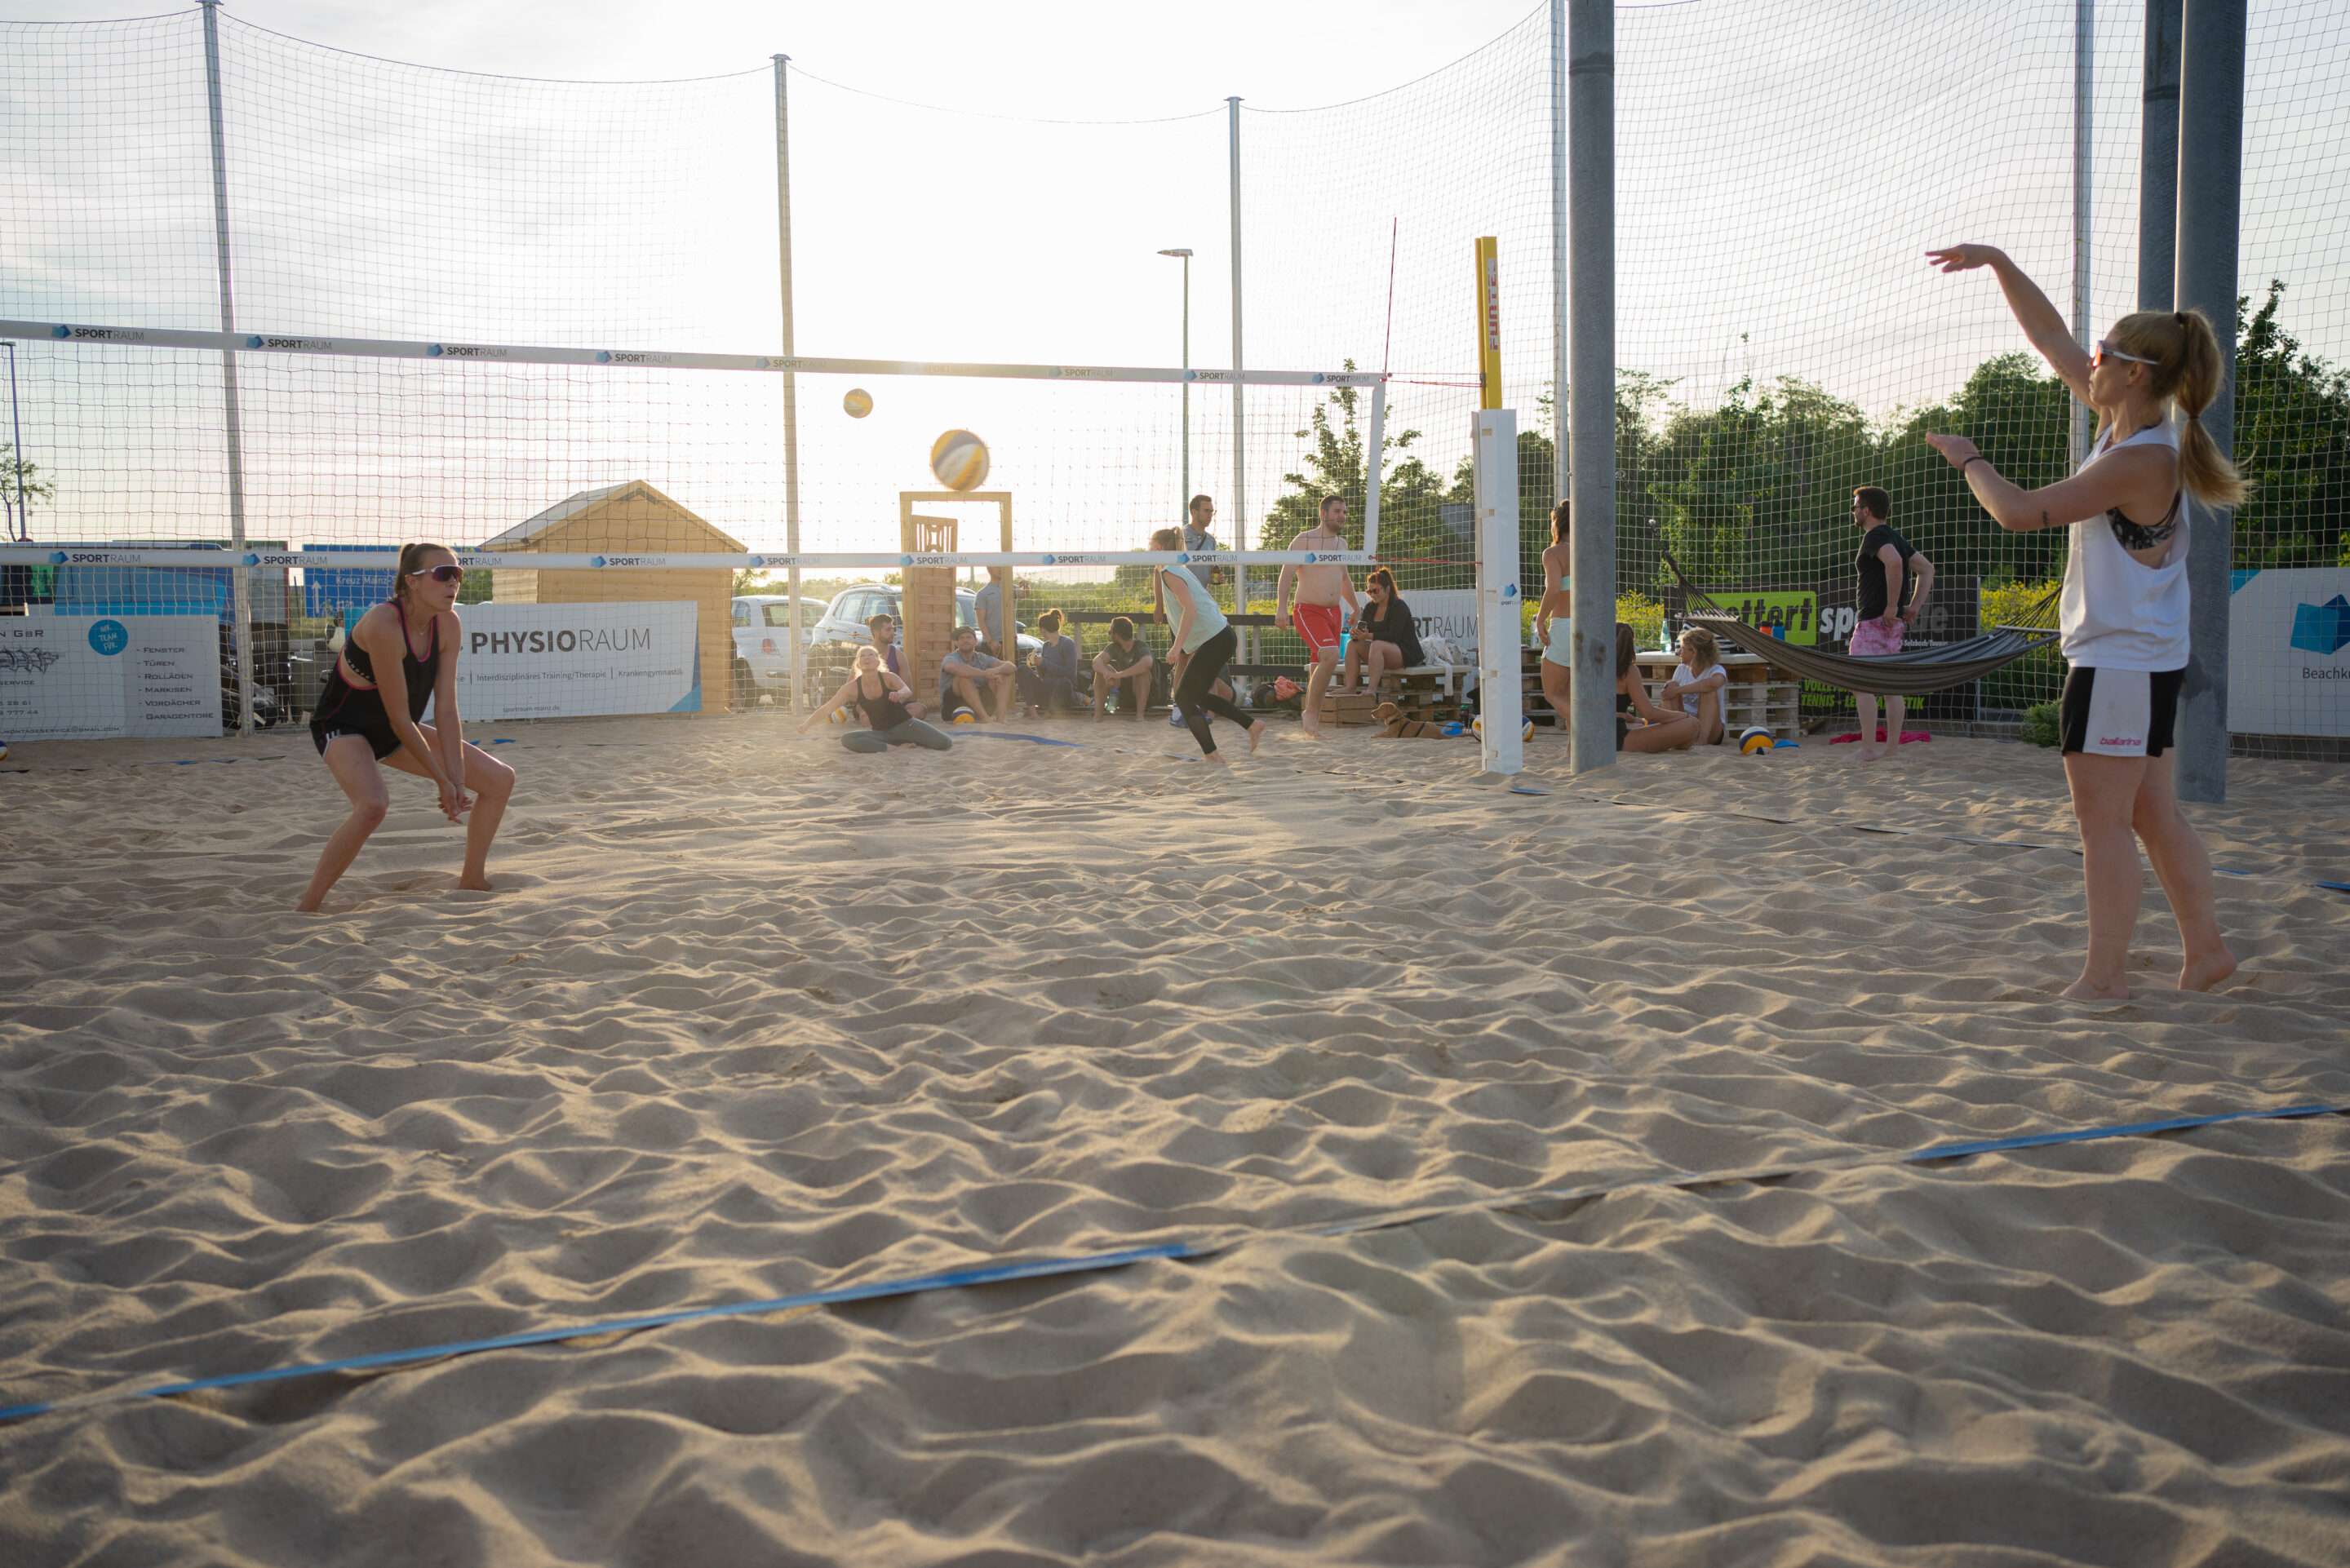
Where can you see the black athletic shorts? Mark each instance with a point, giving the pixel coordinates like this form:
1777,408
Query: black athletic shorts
354,720
2120,712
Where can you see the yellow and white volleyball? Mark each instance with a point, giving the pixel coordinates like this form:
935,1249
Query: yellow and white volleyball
1754,741
959,458
857,401
1525,731
966,716
837,716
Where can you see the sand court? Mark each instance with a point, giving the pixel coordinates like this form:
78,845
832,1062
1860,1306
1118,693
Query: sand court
751,1016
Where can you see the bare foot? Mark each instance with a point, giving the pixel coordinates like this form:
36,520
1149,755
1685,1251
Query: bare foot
1216,759
2082,990
309,905
2203,973
475,885
1256,733
1311,725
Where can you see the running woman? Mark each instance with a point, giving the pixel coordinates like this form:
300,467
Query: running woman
1203,634
2123,612
403,653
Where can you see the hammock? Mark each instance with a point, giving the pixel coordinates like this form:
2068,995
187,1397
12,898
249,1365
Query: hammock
1912,672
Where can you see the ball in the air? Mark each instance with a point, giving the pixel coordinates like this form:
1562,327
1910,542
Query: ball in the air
959,458
857,401
1754,741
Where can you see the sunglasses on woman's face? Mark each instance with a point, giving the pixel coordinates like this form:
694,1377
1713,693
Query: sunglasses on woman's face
2105,351
441,574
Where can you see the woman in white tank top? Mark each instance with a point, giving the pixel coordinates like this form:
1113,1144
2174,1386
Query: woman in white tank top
2124,609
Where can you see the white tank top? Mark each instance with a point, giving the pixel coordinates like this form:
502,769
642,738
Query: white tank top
1206,619
2116,612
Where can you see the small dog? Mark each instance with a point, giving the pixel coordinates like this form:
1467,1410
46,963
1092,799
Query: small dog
1394,726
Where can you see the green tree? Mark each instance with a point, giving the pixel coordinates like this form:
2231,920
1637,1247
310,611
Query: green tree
2293,442
1412,496
19,488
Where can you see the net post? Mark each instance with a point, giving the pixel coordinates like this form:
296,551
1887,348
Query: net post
2210,166
231,420
793,647
1501,700
2157,158
1558,249
2084,72
1375,464
1240,454
1590,392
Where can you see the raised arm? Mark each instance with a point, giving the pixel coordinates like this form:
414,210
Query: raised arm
2041,321
2135,477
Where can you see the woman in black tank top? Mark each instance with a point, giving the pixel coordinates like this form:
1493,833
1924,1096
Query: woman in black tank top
881,698
364,717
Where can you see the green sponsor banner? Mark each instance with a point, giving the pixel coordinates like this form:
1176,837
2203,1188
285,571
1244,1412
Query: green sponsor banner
1791,616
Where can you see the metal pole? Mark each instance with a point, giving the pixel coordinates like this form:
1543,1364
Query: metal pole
2158,159
1375,451
2211,168
1558,249
1240,439
17,448
791,382
240,583
1591,373
2084,71
1184,508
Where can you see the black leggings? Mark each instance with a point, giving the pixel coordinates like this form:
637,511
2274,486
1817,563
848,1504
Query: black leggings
912,732
1196,695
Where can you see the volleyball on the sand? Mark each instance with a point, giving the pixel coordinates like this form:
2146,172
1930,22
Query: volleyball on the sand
959,458
1526,731
857,401
1755,740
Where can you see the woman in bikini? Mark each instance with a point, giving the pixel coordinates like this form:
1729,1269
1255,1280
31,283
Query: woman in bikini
2123,612
884,700
367,716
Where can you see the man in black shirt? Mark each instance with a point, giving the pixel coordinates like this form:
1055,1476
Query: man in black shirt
1895,578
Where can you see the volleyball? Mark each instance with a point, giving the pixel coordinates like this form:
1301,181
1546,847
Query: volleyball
1525,732
837,716
1754,741
966,716
857,401
960,459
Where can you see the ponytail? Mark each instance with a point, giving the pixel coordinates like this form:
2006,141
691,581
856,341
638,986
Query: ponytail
2189,369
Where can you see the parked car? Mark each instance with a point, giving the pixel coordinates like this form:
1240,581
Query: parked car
832,651
762,634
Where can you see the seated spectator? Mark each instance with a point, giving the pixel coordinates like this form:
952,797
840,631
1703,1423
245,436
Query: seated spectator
1662,730
1696,685
1385,639
883,629
970,679
1123,668
1051,678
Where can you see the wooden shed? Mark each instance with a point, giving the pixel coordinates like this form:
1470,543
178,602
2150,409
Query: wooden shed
631,519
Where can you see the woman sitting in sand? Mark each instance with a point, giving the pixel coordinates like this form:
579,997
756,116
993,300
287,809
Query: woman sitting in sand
1385,639
882,698
1206,640
367,715
2124,613
1661,729
1696,685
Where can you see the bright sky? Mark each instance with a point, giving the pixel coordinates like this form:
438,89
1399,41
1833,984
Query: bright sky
1781,164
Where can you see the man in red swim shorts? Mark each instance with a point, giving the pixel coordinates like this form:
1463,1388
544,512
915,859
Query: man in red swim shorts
1308,603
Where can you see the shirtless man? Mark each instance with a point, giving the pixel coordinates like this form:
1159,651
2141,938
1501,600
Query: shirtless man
1553,621
1317,590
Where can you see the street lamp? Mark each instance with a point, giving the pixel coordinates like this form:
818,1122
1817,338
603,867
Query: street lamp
1183,507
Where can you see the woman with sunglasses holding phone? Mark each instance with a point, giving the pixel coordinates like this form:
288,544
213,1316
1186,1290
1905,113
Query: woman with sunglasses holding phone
400,655
2123,612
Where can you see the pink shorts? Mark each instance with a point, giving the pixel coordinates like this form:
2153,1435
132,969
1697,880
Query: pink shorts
1317,624
1870,638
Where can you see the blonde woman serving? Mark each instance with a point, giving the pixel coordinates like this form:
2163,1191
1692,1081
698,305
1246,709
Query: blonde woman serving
2123,612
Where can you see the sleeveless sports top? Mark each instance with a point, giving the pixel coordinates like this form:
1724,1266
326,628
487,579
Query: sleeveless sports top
2116,611
1206,618
882,713
416,674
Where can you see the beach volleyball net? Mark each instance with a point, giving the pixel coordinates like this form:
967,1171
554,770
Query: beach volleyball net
1782,168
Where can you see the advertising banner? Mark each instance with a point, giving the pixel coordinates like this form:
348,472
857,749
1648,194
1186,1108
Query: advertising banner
102,677
572,660
2289,652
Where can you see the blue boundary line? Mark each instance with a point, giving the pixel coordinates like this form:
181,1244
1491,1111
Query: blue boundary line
1096,1262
